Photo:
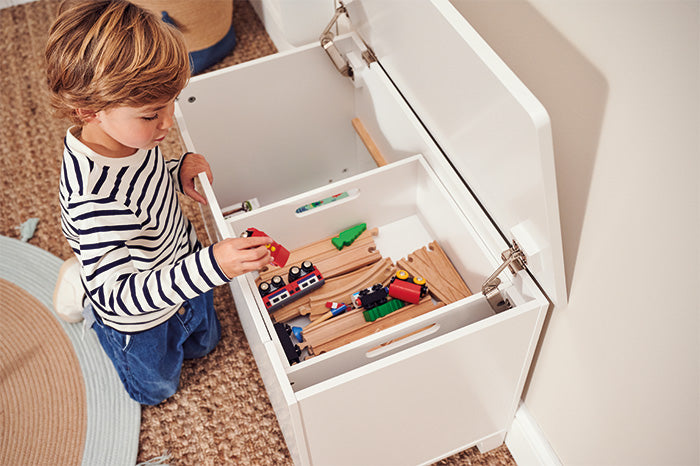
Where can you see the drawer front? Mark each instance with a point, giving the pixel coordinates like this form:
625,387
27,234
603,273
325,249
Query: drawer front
427,401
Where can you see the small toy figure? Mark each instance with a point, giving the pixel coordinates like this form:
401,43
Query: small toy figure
280,255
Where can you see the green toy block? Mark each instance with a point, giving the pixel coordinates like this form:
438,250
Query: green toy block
382,310
345,238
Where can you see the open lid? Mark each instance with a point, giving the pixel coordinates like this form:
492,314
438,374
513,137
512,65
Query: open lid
495,133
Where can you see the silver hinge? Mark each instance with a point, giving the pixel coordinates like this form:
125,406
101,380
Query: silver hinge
339,61
516,261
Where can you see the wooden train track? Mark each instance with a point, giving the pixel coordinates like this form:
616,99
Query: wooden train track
327,259
349,327
443,280
337,289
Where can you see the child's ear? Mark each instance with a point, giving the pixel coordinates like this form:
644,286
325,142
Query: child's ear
87,116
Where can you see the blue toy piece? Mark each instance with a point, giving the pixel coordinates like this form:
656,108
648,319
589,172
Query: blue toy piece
297,332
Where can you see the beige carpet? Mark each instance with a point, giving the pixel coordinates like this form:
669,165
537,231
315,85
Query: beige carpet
221,414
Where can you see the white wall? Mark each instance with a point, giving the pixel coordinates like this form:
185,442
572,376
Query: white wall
616,377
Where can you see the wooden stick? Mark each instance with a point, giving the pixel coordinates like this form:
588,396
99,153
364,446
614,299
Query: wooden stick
368,142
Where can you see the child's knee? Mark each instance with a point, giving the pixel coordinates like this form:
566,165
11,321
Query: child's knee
153,394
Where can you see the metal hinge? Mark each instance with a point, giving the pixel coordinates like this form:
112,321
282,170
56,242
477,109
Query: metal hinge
514,259
339,61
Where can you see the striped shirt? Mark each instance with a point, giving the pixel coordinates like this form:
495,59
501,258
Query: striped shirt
140,255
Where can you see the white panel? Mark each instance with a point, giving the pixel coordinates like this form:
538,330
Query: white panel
358,353
273,127
493,130
438,397
392,187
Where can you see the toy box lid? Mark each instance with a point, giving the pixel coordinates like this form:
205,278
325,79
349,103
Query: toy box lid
492,129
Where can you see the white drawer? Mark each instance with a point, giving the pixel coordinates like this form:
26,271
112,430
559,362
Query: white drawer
464,374
279,129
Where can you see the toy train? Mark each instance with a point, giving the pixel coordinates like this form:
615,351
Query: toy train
291,350
408,289
279,253
301,280
402,288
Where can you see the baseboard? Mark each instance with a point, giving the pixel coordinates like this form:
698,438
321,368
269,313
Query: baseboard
527,443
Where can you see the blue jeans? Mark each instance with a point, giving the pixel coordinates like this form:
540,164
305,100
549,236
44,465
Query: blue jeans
149,362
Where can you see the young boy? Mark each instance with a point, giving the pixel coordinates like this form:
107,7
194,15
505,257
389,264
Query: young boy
115,69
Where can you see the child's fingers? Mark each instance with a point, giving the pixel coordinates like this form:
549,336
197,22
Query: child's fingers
261,259
190,191
253,241
240,255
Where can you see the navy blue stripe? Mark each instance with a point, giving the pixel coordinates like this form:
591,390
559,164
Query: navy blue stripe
100,182
147,295
119,295
169,199
132,289
159,282
73,205
109,228
149,177
153,200
217,267
200,269
137,175
175,287
118,182
90,246
189,281
76,168
102,213
107,267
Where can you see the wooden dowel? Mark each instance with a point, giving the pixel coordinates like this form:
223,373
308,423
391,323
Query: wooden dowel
368,142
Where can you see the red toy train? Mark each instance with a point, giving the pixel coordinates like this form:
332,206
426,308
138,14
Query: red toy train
401,286
406,289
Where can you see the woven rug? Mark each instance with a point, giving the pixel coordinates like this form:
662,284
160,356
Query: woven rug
61,401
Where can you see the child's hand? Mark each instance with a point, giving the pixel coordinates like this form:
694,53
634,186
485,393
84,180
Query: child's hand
237,256
193,165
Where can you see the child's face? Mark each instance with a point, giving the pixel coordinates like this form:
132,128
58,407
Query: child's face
128,128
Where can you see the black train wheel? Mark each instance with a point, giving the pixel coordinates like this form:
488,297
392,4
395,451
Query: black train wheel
307,267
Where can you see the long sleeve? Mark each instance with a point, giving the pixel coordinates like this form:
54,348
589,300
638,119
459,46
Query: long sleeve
140,256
